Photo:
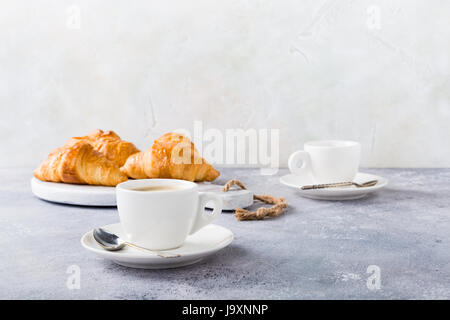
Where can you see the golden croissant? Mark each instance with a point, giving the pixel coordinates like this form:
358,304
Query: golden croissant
109,144
172,156
80,163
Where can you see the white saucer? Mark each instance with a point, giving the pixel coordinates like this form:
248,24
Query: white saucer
341,193
86,195
198,246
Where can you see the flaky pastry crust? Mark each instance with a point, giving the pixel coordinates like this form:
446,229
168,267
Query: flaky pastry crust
172,156
79,163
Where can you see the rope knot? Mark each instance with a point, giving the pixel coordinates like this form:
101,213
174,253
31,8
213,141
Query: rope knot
279,204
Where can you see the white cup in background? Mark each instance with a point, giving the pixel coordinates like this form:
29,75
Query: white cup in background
327,161
162,219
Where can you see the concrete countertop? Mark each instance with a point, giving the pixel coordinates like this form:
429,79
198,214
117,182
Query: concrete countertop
316,250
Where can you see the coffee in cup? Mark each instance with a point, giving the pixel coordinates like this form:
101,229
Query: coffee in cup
157,188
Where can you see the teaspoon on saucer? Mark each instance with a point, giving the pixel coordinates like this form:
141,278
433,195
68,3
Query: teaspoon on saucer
340,184
111,242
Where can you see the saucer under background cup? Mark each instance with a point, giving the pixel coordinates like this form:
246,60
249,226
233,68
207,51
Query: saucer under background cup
339,193
197,247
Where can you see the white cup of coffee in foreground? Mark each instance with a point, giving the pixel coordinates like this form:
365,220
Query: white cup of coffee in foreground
327,161
159,214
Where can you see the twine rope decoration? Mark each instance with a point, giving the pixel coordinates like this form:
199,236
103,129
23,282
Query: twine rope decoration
279,204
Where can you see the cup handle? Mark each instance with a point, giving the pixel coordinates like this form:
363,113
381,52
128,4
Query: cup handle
295,158
204,217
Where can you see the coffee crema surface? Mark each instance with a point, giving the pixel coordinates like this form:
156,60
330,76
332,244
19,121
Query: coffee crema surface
157,188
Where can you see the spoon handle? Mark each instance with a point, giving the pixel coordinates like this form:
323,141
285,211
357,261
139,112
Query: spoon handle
327,185
158,253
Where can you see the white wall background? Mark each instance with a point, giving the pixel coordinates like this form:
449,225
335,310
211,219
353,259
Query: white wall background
314,69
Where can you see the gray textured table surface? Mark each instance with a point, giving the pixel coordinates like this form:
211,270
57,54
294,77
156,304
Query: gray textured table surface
318,249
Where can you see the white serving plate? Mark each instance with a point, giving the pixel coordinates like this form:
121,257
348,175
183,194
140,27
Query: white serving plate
86,195
83,195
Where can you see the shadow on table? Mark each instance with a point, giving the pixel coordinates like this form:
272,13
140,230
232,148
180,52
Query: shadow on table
389,194
223,259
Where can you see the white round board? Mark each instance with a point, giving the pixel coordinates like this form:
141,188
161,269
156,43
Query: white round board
83,195
87,195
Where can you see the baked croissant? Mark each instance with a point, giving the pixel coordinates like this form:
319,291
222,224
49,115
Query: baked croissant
80,163
172,156
109,144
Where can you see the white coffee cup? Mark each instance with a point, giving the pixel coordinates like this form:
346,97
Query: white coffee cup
162,219
327,161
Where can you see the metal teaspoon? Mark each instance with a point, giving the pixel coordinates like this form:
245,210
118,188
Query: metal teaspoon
111,242
340,184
